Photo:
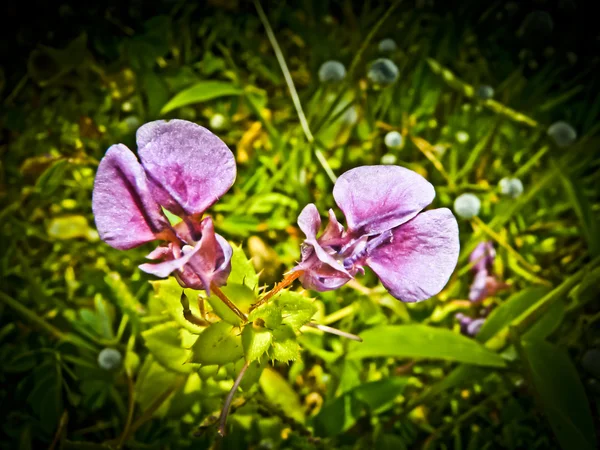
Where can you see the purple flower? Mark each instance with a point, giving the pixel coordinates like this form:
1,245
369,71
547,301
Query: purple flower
468,325
485,283
412,252
183,168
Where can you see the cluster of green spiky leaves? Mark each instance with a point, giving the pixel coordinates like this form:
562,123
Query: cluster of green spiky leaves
202,332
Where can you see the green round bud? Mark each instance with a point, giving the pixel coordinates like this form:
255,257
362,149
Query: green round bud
511,187
562,133
383,71
387,45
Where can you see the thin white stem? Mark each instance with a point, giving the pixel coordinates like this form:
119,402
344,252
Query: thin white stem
335,331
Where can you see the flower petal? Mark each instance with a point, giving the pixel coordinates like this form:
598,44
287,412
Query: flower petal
188,167
309,221
422,255
378,198
319,276
165,268
482,256
125,212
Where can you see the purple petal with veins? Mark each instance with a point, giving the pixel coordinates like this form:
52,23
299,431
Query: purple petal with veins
378,198
420,258
125,212
188,167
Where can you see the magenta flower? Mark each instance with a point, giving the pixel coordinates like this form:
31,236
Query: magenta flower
183,168
412,252
485,283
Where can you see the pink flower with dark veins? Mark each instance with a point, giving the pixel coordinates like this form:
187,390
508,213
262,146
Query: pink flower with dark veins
413,252
183,168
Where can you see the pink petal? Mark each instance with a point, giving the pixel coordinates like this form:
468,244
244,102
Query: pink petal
378,198
165,268
188,167
422,255
125,212
309,221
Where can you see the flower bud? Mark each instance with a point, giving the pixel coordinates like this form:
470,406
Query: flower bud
467,206
109,359
383,71
485,92
511,187
217,122
388,159
331,72
393,140
387,46
562,133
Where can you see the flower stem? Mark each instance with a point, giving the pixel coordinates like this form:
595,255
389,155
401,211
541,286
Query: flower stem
189,315
229,399
289,279
335,331
219,293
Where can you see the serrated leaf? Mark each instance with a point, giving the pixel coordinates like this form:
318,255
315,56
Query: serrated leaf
201,92
256,341
218,344
164,342
240,294
296,309
270,314
562,395
285,344
421,341
281,395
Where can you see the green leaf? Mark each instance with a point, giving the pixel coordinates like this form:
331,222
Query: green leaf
548,323
562,395
154,381
421,341
156,92
512,308
242,270
281,395
71,227
270,314
218,344
52,177
201,92
256,341
240,294
169,293
296,309
341,413
380,395
583,209
285,344
164,342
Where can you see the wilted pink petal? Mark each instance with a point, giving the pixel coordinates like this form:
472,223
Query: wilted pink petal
378,198
125,212
419,260
188,167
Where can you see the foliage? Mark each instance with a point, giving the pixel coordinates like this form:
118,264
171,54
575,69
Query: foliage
414,381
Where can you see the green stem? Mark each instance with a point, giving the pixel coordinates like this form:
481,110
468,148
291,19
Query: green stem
33,317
